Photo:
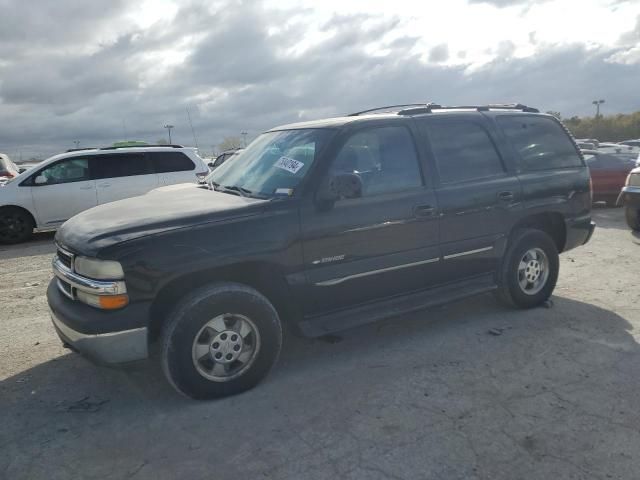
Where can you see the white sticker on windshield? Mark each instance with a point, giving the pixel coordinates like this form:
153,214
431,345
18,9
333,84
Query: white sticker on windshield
289,164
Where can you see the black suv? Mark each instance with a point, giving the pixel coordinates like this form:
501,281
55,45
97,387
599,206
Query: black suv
322,226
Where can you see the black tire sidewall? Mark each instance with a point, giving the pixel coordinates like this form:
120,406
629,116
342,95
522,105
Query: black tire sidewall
632,215
522,241
188,318
28,221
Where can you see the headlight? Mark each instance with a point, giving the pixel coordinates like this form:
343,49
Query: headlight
633,179
98,269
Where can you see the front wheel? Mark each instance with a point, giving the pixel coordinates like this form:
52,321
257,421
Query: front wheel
529,270
633,217
16,225
220,340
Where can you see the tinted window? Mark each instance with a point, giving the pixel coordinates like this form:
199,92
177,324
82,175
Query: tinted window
221,159
171,162
65,171
541,142
120,165
463,151
384,158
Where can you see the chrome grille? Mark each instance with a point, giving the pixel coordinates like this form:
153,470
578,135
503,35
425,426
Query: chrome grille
66,258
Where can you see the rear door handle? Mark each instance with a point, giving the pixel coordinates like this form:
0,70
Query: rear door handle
505,195
424,211
87,187
103,185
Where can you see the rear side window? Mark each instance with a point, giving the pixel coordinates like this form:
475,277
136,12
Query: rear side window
164,162
540,142
120,165
463,151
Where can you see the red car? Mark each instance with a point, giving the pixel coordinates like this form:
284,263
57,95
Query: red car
608,173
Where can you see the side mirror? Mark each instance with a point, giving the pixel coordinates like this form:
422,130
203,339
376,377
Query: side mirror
345,185
22,170
40,180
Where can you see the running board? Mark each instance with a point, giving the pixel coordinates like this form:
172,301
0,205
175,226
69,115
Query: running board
327,323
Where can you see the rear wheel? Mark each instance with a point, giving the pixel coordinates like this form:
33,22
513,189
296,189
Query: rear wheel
220,340
16,225
530,269
632,215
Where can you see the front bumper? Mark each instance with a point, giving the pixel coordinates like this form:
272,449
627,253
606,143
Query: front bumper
629,196
107,348
107,337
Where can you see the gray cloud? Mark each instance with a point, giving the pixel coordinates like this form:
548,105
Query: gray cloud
238,73
439,53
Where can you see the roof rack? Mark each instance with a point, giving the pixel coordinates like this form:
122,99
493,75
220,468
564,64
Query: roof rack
481,108
80,149
143,146
391,108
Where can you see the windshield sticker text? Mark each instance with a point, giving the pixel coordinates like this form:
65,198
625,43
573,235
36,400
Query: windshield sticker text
289,164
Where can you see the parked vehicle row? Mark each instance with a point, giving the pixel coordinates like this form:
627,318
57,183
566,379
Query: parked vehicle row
608,173
322,226
64,185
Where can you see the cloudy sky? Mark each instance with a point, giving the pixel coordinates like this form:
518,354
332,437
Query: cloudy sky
104,71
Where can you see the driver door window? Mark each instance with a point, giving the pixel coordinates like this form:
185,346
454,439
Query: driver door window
62,190
384,158
66,171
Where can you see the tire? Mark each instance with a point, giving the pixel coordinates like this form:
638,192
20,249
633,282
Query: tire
612,202
194,335
16,225
633,218
531,247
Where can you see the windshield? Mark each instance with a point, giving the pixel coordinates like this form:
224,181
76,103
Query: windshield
273,164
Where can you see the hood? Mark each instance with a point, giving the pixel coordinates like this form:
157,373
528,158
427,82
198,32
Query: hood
161,210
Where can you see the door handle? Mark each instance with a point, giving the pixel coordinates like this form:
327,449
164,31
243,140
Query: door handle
505,195
424,211
103,185
87,187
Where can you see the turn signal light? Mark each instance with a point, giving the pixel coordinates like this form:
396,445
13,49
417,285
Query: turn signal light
112,302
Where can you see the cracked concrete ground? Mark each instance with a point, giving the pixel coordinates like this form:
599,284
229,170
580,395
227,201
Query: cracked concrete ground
551,393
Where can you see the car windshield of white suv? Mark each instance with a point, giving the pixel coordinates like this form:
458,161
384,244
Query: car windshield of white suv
272,165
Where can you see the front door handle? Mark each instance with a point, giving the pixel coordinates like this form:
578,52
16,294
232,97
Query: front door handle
87,187
103,185
505,195
424,211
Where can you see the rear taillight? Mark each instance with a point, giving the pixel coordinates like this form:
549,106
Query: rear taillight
6,174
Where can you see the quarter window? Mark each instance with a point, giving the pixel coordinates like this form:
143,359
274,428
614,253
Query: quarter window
120,165
384,158
164,162
540,142
463,151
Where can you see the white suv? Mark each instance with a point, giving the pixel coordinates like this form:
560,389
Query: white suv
60,187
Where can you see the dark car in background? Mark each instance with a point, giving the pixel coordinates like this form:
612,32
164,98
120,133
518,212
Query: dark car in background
223,157
608,173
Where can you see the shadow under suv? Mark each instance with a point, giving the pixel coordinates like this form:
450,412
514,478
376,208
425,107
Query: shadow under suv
322,226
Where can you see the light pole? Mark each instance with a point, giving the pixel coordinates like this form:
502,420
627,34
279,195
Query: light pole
76,143
597,103
169,127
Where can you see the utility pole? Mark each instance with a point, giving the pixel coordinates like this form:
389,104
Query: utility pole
597,103
244,138
169,127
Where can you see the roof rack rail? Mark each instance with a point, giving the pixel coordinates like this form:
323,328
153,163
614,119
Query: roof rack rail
480,108
389,107
79,149
143,146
